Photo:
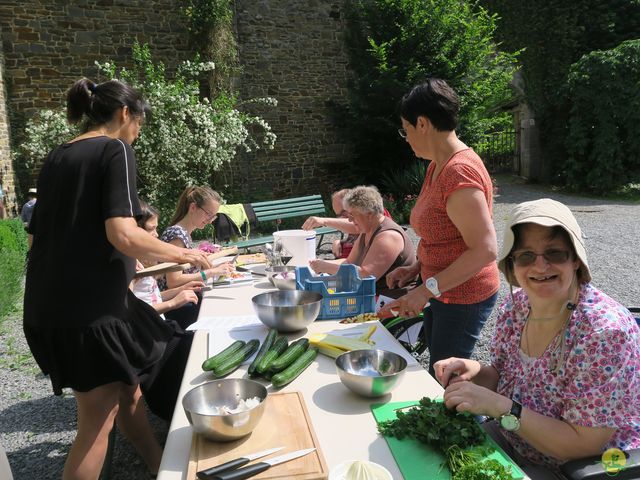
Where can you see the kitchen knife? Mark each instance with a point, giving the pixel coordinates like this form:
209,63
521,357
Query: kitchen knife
260,467
247,269
233,464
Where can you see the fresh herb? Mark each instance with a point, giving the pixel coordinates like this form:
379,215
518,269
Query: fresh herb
468,464
486,470
432,423
457,435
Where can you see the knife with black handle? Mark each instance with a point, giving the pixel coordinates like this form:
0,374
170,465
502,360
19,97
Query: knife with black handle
209,473
260,467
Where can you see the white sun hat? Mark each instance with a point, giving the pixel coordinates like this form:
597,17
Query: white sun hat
548,213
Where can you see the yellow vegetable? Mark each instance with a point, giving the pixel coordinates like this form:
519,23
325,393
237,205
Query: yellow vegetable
366,337
334,345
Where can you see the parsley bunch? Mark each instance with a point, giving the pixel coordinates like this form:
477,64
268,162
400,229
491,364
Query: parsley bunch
457,435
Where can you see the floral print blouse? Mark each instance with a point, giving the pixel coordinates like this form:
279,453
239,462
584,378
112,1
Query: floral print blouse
596,385
170,234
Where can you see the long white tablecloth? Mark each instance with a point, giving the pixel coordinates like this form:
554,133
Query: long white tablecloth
342,421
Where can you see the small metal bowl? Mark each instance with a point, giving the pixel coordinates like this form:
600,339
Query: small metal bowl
198,405
288,283
370,373
287,310
274,270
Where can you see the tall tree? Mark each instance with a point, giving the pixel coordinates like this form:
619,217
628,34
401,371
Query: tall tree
395,44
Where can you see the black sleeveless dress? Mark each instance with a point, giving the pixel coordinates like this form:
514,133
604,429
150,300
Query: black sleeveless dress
83,325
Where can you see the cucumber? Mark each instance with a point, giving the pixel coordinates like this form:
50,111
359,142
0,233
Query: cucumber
234,361
211,363
290,355
278,347
289,374
266,346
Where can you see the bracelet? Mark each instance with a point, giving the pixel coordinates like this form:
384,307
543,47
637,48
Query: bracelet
204,276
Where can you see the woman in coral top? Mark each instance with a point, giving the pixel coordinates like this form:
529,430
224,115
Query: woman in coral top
453,218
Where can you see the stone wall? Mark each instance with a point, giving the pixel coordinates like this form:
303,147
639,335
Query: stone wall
50,44
6,169
294,51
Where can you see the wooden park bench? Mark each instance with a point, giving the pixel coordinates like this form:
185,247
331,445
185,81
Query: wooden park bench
274,210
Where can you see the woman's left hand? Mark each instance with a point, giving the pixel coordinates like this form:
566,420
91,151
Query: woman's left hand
469,397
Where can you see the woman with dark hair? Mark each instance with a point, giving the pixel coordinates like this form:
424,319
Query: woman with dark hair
564,378
452,217
104,342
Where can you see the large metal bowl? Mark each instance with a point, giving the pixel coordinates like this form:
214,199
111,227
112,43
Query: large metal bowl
198,405
287,310
370,373
273,271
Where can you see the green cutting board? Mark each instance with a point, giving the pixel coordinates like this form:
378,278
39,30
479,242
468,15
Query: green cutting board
418,461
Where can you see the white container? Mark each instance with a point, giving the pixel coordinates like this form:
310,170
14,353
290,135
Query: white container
299,244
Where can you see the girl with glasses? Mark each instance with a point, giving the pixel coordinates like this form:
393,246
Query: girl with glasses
564,379
197,207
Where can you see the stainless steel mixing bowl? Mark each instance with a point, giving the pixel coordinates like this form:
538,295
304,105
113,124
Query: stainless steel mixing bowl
271,272
199,403
370,373
287,310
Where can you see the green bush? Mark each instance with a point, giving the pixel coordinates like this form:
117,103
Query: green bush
395,44
13,249
603,142
553,35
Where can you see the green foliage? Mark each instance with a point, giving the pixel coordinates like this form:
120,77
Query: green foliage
203,16
184,141
604,129
210,27
402,187
395,44
13,249
555,34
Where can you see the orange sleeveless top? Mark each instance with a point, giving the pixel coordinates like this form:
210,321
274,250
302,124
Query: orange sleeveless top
440,241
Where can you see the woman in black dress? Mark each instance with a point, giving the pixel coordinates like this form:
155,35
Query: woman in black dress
104,342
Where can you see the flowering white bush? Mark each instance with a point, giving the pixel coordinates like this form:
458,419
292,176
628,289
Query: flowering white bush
185,139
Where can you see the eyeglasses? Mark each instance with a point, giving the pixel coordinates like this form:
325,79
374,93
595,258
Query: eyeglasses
527,258
402,132
210,216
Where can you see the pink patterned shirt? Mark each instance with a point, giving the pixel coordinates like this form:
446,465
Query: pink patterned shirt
598,384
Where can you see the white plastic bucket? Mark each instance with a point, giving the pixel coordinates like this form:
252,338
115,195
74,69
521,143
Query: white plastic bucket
300,244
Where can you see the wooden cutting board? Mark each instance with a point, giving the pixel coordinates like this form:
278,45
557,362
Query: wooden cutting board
285,423
166,267
251,258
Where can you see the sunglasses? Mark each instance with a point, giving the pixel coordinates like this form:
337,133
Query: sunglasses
527,258
402,132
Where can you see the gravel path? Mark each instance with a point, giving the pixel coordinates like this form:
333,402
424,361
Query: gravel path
37,428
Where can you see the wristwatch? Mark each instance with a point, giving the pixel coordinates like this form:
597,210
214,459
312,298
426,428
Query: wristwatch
432,286
511,421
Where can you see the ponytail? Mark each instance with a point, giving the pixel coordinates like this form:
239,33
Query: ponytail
193,194
99,102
